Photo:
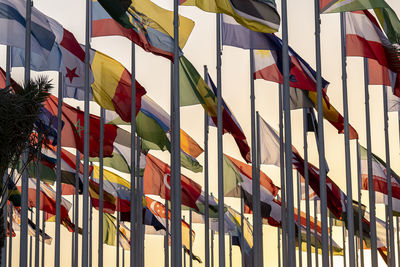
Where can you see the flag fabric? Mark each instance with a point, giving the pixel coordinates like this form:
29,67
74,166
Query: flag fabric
117,186
269,145
13,25
335,6
143,22
194,90
390,23
157,178
110,232
364,38
379,175
72,132
260,16
47,124
311,194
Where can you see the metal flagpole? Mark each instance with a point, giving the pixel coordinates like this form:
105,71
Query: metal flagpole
374,258
134,237
117,246
398,239
10,236
255,178
190,241
101,184
85,209
30,246
391,253
258,160
307,188
356,243
91,234
37,218
206,190
349,190
321,145
221,235
288,141
44,234
230,250
166,237
76,215
330,239
24,183
176,229
58,171
283,187
8,78
316,231
139,217
212,248
123,257
279,246
344,245
299,217
360,231
73,234
242,226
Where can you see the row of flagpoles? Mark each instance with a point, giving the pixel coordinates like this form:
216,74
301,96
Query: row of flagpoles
286,163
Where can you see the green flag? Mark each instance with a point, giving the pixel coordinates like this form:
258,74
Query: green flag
335,6
109,230
390,23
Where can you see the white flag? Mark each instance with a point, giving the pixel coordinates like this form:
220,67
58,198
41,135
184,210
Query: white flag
269,144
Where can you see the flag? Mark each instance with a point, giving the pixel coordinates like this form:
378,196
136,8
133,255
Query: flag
364,38
143,22
311,194
379,175
157,178
13,25
116,186
390,23
72,134
194,90
335,6
260,16
110,232
47,124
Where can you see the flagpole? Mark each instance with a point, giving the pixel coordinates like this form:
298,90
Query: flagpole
10,237
139,193
391,253
257,231
221,235
166,237
30,245
316,231
206,189
344,245
279,246
398,239
134,261
349,190
72,238
176,246
242,226
58,172
85,232
37,217
307,187
357,244
44,233
321,145
360,223
101,184
76,215
212,248
230,250
24,183
283,187
374,258
117,247
288,140
299,217
330,239
190,241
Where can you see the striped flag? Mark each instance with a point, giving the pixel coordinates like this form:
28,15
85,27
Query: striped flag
334,6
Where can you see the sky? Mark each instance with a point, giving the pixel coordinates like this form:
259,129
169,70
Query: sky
154,74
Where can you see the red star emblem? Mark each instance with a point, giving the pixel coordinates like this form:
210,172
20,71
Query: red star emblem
71,74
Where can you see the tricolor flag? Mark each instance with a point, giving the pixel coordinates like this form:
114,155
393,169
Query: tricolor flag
72,132
260,16
13,27
143,22
157,180
334,6
379,175
364,38
194,90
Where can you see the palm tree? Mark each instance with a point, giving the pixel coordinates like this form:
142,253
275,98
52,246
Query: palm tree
19,109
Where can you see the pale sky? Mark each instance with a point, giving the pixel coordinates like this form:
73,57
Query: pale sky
153,73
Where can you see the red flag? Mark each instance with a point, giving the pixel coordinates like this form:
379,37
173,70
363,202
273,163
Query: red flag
72,134
157,181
